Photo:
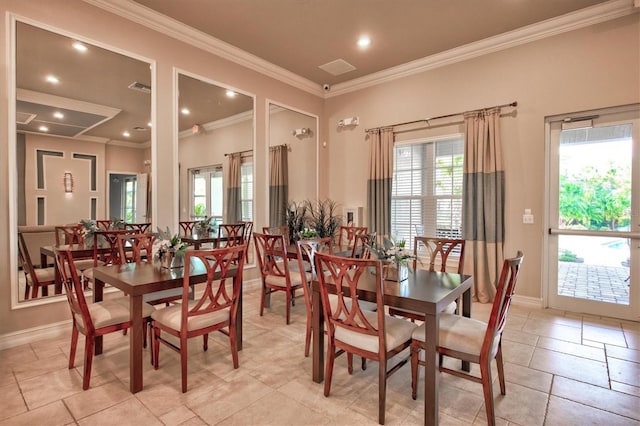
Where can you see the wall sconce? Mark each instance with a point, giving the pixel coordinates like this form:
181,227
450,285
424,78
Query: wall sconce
68,182
304,131
350,121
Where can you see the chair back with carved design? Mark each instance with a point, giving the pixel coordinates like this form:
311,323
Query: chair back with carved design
135,248
105,246
437,251
69,234
230,234
140,227
347,236
186,226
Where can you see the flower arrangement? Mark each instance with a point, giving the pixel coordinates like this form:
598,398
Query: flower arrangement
205,226
307,233
390,250
166,242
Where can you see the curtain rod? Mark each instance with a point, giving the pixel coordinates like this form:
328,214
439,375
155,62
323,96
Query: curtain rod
286,145
426,120
239,152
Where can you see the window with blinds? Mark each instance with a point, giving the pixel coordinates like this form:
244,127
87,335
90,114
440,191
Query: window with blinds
426,197
206,193
246,191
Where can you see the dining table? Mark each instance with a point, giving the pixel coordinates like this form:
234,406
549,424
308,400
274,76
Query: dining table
423,291
196,240
136,280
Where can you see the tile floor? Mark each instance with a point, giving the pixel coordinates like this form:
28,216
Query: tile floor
561,369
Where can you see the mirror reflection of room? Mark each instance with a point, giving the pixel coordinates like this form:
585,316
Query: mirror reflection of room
215,154
292,142
83,123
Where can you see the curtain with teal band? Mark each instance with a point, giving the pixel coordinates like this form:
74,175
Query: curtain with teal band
278,185
379,183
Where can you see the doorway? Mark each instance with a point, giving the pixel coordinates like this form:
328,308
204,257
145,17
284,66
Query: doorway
128,197
594,212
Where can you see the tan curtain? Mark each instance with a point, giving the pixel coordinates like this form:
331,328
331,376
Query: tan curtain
483,206
380,180
278,185
234,209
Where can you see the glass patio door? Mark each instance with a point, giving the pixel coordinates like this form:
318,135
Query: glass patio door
594,213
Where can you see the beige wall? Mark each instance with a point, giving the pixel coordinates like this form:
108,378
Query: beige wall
586,69
81,19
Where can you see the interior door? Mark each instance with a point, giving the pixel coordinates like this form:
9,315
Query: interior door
594,215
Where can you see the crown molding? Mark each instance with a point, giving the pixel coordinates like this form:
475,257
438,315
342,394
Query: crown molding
172,28
571,21
218,124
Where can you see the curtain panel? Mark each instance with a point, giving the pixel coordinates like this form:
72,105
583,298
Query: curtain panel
379,183
278,185
234,209
483,205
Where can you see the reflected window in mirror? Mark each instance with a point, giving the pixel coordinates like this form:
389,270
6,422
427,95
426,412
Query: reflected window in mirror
207,193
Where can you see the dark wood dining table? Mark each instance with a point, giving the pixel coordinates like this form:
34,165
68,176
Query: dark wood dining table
423,291
196,240
139,279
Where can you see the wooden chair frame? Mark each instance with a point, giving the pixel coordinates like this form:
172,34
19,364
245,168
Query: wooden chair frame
186,226
228,262
346,236
345,313
234,232
140,227
491,345
69,234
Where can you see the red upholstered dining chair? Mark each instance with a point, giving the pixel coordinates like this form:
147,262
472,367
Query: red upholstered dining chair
276,272
437,252
186,226
346,236
472,340
372,335
214,310
233,233
34,277
93,319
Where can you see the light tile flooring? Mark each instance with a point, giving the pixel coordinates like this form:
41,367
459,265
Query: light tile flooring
561,369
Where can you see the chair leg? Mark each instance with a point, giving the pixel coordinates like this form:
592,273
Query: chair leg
364,363
150,334
331,356
382,389
155,339
205,342
183,362
288,307
234,347
415,368
88,361
263,299
503,389
350,363
74,345
307,340
487,390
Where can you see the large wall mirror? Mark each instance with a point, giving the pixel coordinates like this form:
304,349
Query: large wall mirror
293,155
215,151
83,140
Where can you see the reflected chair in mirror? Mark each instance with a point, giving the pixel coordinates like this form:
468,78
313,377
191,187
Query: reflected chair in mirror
230,234
140,227
276,272
215,309
371,335
91,319
35,278
346,237
104,224
474,341
186,226
436,251
69,234
361,243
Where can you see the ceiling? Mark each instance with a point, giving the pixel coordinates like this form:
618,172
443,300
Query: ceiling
292,37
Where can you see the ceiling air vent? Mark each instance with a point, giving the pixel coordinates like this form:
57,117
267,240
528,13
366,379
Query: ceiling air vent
140,87
337,67
24,117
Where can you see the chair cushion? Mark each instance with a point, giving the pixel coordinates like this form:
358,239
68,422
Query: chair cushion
171,316
397,332
364,305
458,333
110,312
281,281
44,275
83,264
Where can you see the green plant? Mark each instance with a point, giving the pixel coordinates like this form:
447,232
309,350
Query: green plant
295,218
567,256
323,217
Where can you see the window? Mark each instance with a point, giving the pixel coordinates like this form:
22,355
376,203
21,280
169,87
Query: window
426,197
129,201
246,191
207,192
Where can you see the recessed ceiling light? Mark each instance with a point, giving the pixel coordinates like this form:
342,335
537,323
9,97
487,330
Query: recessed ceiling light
79,46
126,134
52,79
43,128
364,42
231,94
149,124
185,111
58,115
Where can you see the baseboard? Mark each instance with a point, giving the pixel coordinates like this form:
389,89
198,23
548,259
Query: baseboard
50,331
34,334
526,301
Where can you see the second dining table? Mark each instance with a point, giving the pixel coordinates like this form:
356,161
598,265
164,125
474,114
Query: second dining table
423,291
136,280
